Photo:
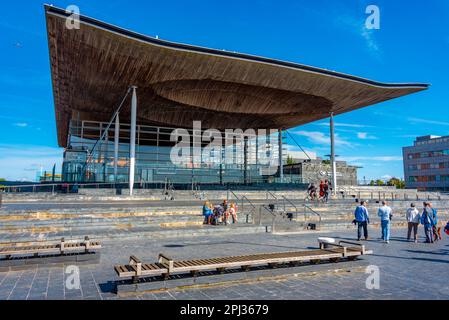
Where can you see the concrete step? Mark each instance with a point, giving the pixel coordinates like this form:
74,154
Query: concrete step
137,232
87,222
157,194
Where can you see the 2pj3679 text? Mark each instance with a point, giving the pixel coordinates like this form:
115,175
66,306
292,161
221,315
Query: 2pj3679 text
243,310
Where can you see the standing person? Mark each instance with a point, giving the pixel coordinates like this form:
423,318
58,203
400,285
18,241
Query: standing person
233,212
362,219
225,211
436,228
326,190
321,190
429,220
207,212
312,191
385,214
413,217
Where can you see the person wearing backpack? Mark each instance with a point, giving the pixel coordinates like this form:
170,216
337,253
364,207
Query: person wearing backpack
429,219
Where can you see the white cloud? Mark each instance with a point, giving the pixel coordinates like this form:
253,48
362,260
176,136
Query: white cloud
365,136
419,120
357,27
386,177
323,139
21,124
342,124
21,162
375,158
369,39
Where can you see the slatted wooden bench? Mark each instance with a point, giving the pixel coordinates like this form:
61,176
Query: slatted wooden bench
166,266
62,247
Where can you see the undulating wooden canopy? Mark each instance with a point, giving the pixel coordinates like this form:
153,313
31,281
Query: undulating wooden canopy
92,68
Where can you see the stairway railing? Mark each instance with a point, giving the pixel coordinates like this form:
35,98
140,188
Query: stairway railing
251,212
306,207
285,199
264,208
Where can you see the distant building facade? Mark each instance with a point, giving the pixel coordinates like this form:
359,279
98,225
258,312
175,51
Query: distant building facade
315,170
426,163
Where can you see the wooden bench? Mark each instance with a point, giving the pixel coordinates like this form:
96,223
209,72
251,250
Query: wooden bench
166,266
20,249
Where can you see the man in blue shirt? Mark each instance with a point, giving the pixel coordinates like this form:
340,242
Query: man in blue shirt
429,219
385,214
362,219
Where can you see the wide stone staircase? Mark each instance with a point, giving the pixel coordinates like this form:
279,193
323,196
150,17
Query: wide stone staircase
35,217
110,223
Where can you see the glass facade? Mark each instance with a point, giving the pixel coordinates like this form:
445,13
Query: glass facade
89,158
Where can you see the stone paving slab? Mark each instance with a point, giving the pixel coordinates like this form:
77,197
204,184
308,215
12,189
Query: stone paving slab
400,263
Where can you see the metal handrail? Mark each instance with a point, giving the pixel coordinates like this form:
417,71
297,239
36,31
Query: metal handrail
233,193
254,208
268,192
273,216
291,203
242,199
314,212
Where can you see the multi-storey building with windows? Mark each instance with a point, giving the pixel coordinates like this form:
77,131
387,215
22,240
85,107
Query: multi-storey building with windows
426,163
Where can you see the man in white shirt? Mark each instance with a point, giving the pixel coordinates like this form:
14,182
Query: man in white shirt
413,217
385,214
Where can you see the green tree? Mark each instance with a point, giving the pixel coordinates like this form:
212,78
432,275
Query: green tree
2,180
290,160
396,182
379,182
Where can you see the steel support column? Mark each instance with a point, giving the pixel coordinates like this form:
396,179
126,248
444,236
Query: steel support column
132,144
333,161
281,160
116,145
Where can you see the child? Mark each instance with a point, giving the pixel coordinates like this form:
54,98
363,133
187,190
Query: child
446,228
437,231
207,213
233,213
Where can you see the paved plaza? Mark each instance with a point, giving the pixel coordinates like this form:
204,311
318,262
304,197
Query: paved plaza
407,271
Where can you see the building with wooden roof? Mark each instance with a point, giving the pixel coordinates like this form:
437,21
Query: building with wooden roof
105,77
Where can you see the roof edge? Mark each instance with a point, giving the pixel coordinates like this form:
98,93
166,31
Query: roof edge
49,9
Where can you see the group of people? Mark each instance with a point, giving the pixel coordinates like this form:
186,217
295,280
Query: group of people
428,218
223,213
324,191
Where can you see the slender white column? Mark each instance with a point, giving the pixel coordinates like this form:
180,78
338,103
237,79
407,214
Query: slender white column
132,144
116,145
281,160
333,162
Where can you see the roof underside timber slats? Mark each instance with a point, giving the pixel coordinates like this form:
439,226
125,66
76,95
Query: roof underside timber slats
93,67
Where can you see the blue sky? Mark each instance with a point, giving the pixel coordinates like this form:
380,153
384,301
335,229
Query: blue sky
412,45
